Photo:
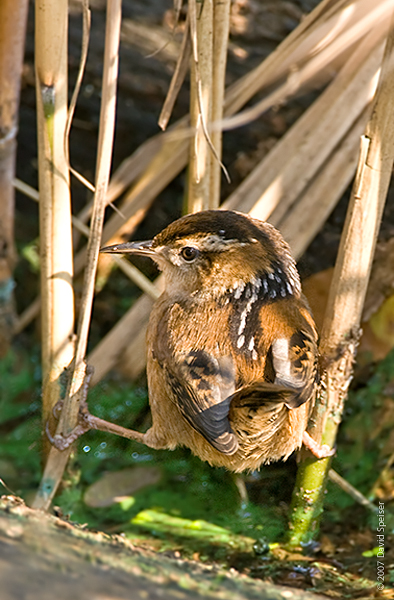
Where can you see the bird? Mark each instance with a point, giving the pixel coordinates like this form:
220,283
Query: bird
232,348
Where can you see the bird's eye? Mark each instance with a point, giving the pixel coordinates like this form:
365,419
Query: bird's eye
189,253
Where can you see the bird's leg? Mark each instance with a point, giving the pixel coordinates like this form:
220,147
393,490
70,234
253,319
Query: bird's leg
87,421
320,451
239,481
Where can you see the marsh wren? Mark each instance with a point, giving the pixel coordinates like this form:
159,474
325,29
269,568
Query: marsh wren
231,343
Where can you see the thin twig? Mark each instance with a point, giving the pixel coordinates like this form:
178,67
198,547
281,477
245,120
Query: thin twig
178,77
351,490
384,473
86,20
177,14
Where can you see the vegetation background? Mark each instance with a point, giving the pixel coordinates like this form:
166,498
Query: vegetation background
169,501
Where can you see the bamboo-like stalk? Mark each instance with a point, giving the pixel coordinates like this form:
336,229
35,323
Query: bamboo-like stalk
57,322
201,72
209,37
76,384
221,28
12,40
347,293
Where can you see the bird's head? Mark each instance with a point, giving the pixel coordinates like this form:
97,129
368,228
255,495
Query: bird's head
214,253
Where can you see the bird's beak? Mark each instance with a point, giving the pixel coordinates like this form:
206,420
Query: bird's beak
143,248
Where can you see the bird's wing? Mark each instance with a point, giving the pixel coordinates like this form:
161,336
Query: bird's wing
294,362
202,385
293,369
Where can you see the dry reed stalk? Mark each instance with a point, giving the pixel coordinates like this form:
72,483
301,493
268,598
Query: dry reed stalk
171,158
13,17
307,216
124,265
124,345
127,172
316,48
294,149
305,147
76,387
57,297
209,39
341,326
86,22
311,34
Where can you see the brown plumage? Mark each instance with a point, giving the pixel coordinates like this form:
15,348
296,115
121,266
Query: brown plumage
231,343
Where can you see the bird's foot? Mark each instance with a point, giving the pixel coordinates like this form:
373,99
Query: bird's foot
84,423
318,450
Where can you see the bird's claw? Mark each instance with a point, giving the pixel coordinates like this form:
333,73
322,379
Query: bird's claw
57,409
318,450
62,442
